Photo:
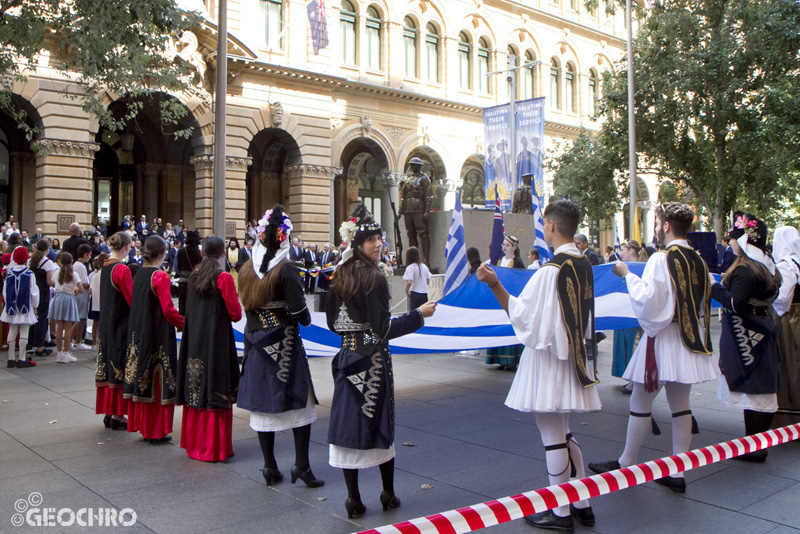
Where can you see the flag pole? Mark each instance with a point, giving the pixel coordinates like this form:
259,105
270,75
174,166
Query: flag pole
218,206
631,121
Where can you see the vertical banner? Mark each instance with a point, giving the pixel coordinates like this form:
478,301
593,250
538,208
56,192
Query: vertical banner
530,142
497,159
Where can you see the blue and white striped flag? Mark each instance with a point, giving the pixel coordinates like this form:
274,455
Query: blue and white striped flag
538,226
457,270
617,248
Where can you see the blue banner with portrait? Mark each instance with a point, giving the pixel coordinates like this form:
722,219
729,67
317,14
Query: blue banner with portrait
530,143
497,158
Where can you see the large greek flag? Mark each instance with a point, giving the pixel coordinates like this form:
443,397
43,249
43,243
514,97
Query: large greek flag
457,269
470,318
538,225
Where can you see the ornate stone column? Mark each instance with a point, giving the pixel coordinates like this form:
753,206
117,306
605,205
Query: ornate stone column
236,195
64,184
648,222
447,192
204,192
308,189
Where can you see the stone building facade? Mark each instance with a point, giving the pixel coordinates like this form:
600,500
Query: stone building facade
315,132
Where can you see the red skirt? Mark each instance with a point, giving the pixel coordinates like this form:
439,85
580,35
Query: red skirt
206,434
109,401
152,419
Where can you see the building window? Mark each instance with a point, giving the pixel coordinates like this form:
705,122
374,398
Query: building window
569,88
271,13
410,46
573,5
472,191
432,52
464,67
594,90
483,66
347,25
373,39
513,61
528,76
555,86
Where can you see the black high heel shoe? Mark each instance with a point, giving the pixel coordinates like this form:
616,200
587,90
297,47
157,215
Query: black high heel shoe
389,500
354,507
306,476
107,421
272,475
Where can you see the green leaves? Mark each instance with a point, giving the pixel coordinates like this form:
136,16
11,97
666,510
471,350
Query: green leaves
116,46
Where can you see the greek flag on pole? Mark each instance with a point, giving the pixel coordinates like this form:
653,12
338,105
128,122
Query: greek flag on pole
456,250
538,225
617,249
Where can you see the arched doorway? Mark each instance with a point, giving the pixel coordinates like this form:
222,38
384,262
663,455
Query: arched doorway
473,187
18,167
365,171
272,150
144,169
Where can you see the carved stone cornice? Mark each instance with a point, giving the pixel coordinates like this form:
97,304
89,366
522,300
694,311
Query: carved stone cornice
311,171
395,132
58,147
393,179
206,162
352,183
237,164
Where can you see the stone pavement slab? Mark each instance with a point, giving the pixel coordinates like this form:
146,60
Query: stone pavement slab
453,433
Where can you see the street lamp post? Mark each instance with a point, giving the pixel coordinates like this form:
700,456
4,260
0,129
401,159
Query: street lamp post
218,205
631,122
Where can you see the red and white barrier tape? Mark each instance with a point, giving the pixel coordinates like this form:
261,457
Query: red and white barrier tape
514,507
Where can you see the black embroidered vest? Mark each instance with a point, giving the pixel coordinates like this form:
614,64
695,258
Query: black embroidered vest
576,299
689,275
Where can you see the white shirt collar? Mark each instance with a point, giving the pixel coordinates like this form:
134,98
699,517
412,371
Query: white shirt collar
568,247
681,242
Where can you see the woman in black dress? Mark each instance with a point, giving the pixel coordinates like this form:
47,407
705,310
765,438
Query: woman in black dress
361,432
748,344
189,259
275,383
208,368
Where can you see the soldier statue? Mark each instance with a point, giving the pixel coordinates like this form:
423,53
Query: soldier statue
523,201
416,198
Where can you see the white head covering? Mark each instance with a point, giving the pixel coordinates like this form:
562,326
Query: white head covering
260,251
786,246
756,254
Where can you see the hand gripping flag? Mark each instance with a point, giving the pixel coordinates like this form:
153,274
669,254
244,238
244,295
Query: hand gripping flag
457,270
538,225
498,230
318,25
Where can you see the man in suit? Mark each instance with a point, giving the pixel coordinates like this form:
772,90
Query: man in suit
244,253
727,257
328,256
583,245
296,253
142,228
312,262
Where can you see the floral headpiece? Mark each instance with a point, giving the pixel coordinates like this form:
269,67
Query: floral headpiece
283,231
347,230
747,226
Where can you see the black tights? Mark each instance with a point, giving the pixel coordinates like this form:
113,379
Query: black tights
755,422
387,478
302,440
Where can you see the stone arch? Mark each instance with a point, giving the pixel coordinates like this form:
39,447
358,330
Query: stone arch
480,25
366,175
353,132
472,184
272,150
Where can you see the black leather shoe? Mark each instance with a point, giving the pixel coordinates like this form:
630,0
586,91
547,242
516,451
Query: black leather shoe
604,467
354,507
585,516
156,441
389,500
758,457
11,364
107,421
678,485
272,475
550,521
26,363
119,425
306,476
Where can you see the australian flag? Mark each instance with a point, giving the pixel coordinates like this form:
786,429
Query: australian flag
318,25
498,231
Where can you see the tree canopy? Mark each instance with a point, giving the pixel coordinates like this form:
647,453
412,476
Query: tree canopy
119,46
717,103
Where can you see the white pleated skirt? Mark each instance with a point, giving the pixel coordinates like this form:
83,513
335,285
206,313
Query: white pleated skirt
543,383
675,362
275,422
345,458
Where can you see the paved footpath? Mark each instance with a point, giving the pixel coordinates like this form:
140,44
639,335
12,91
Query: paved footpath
453,433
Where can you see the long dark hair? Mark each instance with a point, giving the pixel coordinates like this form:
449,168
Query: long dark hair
412,256
154,246
204,280
354,276
42,246
761,273
65,274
